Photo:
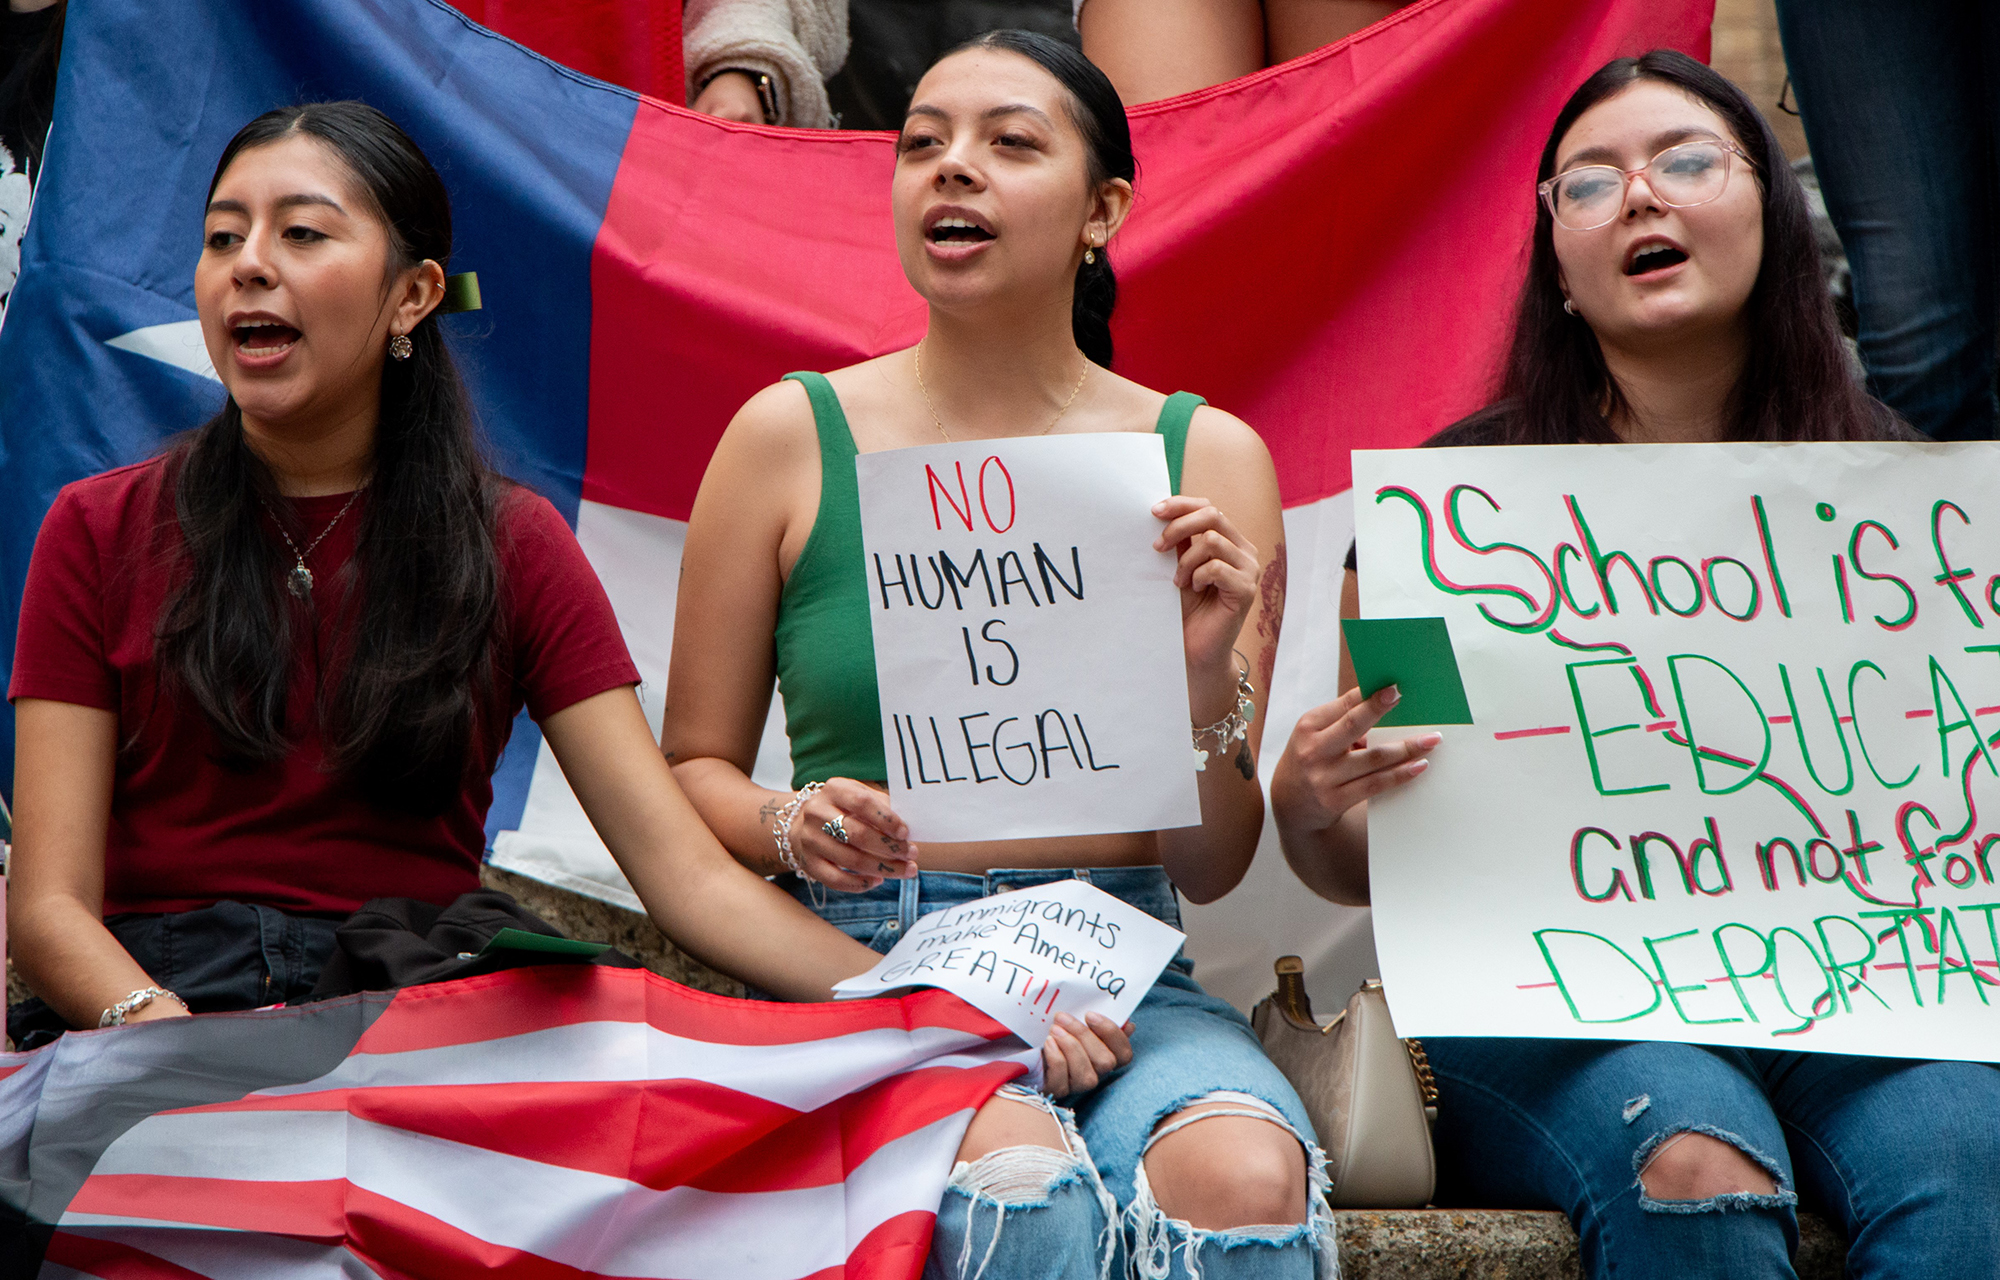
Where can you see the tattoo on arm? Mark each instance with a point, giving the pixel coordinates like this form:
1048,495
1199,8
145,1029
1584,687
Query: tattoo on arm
768,811
1270,616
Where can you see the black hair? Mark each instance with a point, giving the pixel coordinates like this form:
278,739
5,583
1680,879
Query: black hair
412,673
28,91
1797,382
1099,115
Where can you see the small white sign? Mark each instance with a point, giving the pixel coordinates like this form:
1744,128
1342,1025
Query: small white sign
1027,637
1024,956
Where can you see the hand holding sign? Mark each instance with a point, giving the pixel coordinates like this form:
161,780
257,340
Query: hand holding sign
1217,576
1329,766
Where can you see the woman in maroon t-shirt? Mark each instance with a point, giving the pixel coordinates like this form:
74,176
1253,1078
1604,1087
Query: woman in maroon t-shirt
267,676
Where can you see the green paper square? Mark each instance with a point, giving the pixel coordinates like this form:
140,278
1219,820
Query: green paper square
1414,654
522,940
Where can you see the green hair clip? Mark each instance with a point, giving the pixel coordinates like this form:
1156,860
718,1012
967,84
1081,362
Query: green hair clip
461,293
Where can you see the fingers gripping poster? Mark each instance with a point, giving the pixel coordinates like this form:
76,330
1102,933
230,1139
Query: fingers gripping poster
1027,637
1734,771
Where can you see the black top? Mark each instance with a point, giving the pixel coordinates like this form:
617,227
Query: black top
891,43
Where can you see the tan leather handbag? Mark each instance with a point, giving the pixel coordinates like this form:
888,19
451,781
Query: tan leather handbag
1369,1094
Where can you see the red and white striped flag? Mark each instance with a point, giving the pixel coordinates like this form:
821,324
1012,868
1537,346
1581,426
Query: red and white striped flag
550,1123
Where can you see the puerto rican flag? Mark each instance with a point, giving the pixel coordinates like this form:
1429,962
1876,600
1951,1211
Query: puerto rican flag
1329,249
548,1124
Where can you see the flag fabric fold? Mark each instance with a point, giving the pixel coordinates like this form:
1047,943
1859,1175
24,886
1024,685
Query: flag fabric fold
573,1121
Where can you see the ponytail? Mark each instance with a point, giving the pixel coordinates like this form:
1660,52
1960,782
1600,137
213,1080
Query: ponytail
1090,308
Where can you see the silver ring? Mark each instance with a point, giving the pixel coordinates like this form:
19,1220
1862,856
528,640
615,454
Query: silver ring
835,829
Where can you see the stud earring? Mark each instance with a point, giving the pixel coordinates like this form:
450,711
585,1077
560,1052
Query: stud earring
399,347
1569,306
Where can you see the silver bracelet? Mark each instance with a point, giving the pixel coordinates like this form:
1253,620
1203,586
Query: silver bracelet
781,830
115,1016
1234,727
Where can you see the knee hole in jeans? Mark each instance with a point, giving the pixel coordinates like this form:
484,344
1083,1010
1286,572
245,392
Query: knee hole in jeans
1698,1167
1011,1120
1232,1170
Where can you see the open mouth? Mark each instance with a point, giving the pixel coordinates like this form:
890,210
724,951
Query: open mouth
264,337
1654,258
958,231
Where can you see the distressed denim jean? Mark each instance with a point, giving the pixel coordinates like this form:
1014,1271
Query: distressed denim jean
1901,101
1087,1212
1903,1155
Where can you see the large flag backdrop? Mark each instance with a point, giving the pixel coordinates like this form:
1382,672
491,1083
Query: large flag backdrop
555,1123
1329,249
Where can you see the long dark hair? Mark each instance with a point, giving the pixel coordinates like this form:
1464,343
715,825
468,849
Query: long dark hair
1099,116
28,91
1796,384
419,602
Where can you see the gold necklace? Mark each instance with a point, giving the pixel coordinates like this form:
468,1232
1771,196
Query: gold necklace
940,421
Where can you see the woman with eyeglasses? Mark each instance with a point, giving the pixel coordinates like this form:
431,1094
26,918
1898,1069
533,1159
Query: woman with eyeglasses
1673,295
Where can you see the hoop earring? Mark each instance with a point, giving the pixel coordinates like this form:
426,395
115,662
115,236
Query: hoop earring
399,347
1569,306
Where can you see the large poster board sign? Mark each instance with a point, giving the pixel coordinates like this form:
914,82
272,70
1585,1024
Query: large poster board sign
1734,771
1027,637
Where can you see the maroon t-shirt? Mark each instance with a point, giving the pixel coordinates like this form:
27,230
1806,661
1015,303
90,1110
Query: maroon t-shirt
187,831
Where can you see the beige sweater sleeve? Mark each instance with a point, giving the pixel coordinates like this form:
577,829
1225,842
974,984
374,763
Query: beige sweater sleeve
798,43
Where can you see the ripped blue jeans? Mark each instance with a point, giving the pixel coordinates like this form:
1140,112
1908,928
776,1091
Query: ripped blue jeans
1901,1154
1087,1212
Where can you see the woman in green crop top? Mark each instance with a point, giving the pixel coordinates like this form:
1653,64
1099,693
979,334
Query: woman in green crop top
1014,171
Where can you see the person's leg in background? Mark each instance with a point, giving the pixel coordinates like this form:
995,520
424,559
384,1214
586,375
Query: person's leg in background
1155,49
1898,106
1666,1157
1294,28
1903,1154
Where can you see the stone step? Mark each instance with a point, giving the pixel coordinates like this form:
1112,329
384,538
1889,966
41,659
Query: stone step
1508,1244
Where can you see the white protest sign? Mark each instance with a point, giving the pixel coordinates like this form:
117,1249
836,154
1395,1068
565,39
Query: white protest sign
1024,956
1734,776
1027,637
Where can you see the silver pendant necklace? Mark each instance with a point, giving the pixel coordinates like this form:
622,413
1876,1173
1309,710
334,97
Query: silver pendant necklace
300,580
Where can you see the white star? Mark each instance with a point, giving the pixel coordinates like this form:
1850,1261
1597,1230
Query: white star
178,344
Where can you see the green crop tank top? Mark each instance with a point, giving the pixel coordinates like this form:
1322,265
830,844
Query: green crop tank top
825,649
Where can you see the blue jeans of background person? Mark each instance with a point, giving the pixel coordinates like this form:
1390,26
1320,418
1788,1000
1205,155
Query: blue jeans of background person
1901,100
1904,1155
1022,1212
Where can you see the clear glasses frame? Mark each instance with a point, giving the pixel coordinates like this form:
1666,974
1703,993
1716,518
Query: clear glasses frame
1546,189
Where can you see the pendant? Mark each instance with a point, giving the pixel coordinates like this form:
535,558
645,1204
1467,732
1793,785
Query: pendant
1200,760
300,580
